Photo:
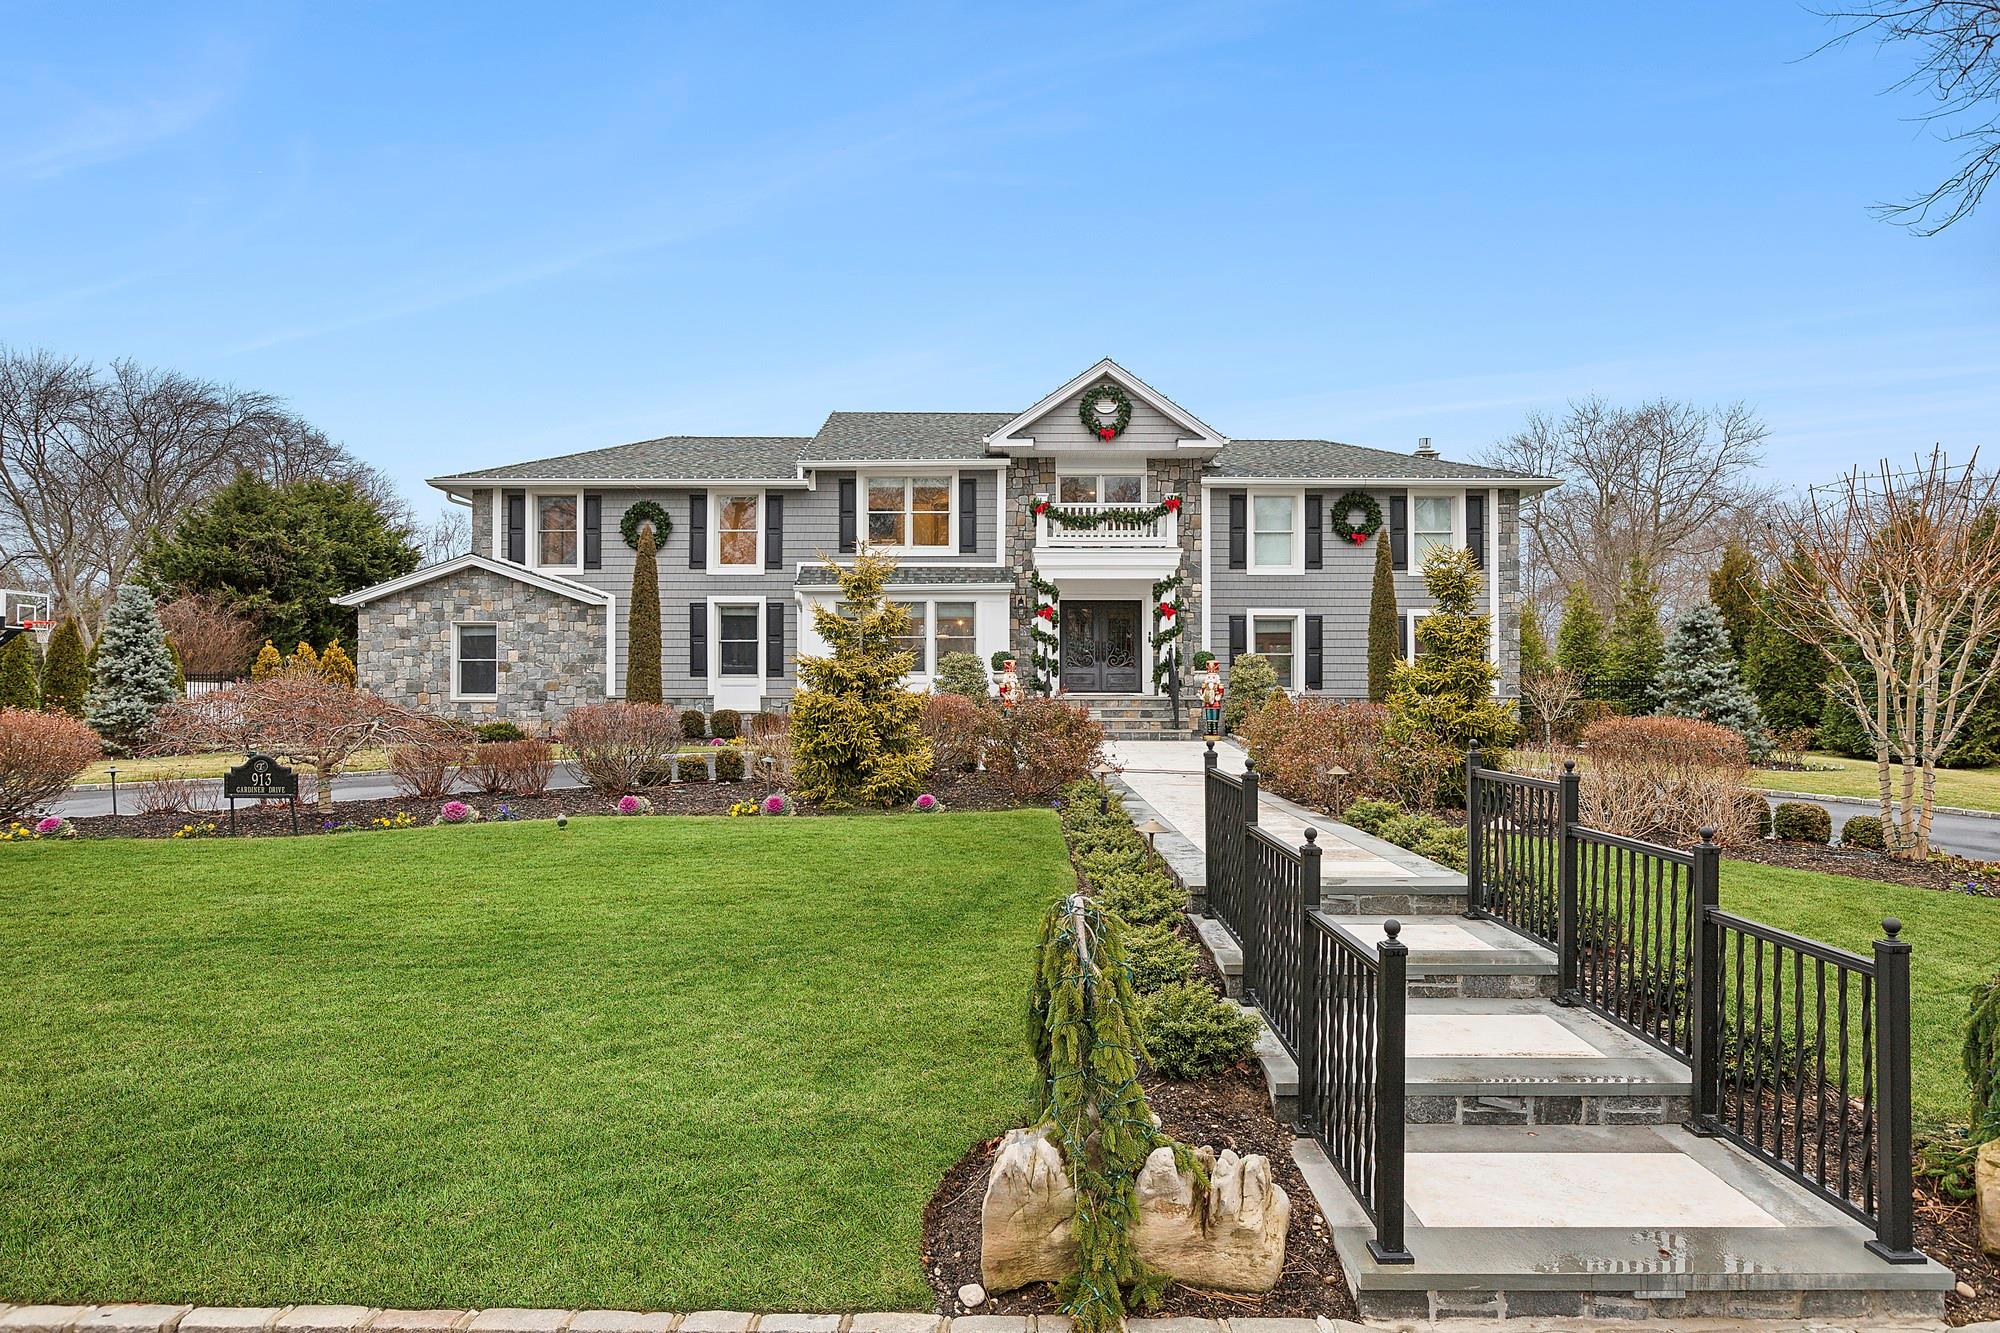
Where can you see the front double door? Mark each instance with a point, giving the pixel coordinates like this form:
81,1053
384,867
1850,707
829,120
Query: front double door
1101,647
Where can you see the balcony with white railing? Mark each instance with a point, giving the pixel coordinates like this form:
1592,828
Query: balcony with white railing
1097,527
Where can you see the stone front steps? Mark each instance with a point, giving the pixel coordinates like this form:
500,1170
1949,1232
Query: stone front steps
1141,716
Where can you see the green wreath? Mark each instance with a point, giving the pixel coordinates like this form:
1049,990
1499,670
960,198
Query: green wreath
1371,517
645,512
1087,411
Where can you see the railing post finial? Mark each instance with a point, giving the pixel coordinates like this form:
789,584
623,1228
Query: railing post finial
1312,835
1708,833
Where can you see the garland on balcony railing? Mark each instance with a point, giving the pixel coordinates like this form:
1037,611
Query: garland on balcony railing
1042,631
1167,619
1136,518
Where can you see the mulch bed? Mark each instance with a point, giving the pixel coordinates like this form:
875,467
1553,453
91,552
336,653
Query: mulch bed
1948,1231
1949,874
1230,1110
965,792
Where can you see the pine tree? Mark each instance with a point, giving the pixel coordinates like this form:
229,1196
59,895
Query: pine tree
1536,659
1385,632
304,657
337,666
855,733
269,663
20,672
1698,679
1786,672
642,657
134,676
66,673
1580,637
1632,659
1736,586
1442,703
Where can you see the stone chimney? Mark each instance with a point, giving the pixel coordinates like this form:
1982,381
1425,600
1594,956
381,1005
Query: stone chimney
1424,449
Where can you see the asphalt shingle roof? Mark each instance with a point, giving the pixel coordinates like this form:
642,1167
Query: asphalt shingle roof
1329,458
819,576
952,436
669,458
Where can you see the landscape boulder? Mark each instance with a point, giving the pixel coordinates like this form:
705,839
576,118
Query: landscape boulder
1986,1181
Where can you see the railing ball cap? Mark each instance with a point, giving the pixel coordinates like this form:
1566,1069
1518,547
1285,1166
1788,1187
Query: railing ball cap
1569,765
1891,926
1249,764
1312,834
1392,927
1210,745
1708,833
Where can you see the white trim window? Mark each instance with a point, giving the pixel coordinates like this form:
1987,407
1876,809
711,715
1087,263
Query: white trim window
911,512
1277,543
1434,525
1278,636
739,529
1410,619
1101,488
739,640
937,626
558,530
475,661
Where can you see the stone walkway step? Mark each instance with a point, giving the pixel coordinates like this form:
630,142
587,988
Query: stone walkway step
1452,957
1624,1222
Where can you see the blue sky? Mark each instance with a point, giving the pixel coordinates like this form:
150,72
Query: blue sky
454,235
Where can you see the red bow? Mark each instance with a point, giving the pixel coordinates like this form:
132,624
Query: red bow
1041,508
1106,432
1166,610
1047,613
1173,504
1358,538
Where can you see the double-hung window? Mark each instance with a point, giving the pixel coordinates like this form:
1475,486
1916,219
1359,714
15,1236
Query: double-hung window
910,513
1274,534
737,634
1276,639
556,531
736,530
951,630
915,635
475,661
1433,525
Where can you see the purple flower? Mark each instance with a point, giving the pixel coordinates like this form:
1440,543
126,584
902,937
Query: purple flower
774,805
926,803
48,825
628,805
454,812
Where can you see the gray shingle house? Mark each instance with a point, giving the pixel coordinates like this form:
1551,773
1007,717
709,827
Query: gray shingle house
1086,503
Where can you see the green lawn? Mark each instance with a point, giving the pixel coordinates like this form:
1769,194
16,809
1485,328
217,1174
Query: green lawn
1967,788
648,1063
1955,942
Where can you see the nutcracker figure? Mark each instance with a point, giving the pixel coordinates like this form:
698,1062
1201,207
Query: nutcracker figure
1009,684
1211,699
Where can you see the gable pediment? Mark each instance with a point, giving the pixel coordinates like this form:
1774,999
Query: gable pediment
1069,420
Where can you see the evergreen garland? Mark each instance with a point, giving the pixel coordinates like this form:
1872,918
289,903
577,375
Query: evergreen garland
1371,517
1083,1022
645,511
1129,517
1167,625
1086,411
1042,633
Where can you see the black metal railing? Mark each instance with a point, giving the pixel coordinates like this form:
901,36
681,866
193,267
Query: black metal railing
1337,1005
1799,1052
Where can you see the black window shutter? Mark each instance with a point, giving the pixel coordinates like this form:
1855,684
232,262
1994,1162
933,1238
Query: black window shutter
593,532
774,530
968,514
1475,528
1315,657
1399,531
847,524
1239,538
698,640
774,640
1315,551
517,527
698,532
1239,637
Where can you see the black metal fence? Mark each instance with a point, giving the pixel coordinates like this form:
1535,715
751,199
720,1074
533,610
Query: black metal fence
1338,1006
1799,1052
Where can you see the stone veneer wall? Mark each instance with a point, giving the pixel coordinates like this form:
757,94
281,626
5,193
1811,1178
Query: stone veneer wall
551,647
1507,561
1029,477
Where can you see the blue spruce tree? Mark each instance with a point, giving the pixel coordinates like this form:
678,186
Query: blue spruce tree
1698,679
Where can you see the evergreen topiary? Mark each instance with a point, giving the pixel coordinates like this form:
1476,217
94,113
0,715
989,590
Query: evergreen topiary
642,656
694,724
337,666
725,724
1580,637
269,663
134,675
180,670
1385,630
1698,679
1537,658
856,731
1864,831
1737,589
729,765
1796,821
1637,646
66,673
1251,681
1442,703
961,674
20,673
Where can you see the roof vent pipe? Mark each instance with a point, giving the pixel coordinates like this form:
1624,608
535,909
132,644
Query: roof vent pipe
1424,449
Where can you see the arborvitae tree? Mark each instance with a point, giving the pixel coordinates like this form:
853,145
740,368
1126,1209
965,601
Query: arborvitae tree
66,673
1443,701
1580,637
1785,671
304,657
1536,658
337,666
1252,681
269,662
855,731
180,671
642,656
1637,644
1736,587
20,672
1698,679
134,675
1385,631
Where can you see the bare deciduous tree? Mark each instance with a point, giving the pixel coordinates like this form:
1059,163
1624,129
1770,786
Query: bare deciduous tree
1900,587
1960,69
449,534
1664,482
212,638
1552,696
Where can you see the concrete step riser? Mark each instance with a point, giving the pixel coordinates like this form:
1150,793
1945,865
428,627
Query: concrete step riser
1847,1306
1336,901
1481,986
1566,1105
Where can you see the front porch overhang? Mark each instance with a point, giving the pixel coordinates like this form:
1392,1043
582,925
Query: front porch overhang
1148,564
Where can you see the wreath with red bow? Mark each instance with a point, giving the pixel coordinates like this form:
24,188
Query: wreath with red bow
1095,424
1342,514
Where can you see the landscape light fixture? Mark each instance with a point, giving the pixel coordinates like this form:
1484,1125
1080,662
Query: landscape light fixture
1151,828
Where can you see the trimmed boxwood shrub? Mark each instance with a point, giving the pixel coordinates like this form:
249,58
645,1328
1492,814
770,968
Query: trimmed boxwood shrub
1795,821
729,765
498,733
725,724
1864,831
694,725
1191,1031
